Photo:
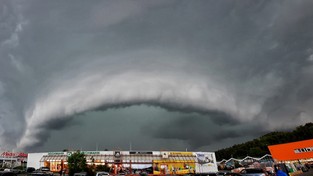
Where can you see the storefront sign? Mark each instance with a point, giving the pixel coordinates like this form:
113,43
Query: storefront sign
303,150
140,153
180,153
56,153
12,154
91,152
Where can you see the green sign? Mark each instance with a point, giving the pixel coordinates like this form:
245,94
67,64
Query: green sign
91,152
56,153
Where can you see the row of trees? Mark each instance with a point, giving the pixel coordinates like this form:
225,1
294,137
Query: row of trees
258,147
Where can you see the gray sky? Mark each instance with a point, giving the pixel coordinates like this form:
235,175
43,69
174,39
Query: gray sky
152,75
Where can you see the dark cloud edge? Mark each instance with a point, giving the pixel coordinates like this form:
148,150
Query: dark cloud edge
58,123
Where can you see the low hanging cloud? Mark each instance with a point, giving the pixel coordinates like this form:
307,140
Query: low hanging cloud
236,65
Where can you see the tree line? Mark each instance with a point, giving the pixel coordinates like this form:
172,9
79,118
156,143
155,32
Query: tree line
258,147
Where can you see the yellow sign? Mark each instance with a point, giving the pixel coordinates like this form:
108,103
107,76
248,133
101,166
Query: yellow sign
181,153
161,167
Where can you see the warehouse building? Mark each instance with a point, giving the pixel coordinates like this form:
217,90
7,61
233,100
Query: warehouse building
159,162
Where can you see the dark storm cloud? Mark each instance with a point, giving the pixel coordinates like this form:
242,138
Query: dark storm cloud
230,66
203,130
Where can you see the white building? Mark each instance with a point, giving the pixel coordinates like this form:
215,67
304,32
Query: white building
160,162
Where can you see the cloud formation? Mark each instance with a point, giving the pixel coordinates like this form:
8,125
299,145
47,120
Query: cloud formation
230,67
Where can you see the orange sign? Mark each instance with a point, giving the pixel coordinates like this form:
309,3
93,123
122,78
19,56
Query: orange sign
292,151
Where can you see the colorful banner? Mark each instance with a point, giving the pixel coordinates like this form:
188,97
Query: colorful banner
161,167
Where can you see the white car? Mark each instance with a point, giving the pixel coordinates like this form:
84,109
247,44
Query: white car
102,174
80,174
253,172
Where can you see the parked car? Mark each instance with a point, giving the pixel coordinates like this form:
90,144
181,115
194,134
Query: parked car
36,173
44,169
253,172
229,167
17,171
232,174
227,173
309,164
81,174
7,173
102,173
220,173
30,169
304,168
206,174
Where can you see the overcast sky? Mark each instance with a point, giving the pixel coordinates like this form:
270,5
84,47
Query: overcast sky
152,75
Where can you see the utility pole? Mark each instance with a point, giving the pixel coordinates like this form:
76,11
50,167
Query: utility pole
12,159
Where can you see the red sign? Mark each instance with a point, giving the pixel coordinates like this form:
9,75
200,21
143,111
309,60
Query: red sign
11,154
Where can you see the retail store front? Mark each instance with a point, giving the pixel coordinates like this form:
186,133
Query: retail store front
157,162
293,154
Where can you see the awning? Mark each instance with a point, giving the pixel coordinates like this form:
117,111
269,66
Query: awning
140,159
128,159
183,158
99,157
53,158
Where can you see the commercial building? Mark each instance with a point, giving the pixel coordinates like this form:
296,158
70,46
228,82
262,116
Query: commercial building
300,150
159,162
12,159
264,161
293,154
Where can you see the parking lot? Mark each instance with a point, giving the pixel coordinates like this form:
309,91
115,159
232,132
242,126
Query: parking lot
309,173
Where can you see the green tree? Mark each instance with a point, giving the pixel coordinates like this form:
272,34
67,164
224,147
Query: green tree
105,168
259,147
77,163
255,152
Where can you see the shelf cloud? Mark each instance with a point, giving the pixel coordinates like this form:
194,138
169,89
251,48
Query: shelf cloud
219,69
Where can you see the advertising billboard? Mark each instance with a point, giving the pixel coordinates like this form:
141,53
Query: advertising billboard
174,163
206,162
